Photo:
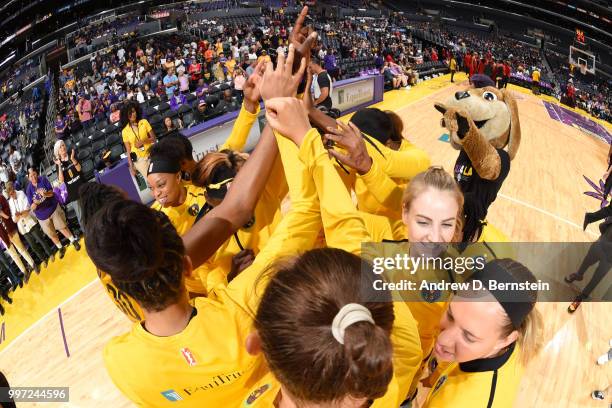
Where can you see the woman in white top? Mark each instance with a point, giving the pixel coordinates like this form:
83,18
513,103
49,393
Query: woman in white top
26,225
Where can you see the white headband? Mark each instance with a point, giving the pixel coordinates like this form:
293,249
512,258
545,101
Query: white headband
349,314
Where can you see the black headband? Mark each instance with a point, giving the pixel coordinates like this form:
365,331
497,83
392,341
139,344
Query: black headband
163,166
516,303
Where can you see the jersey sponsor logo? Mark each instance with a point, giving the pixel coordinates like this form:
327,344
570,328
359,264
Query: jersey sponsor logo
172,395
188,355
256,394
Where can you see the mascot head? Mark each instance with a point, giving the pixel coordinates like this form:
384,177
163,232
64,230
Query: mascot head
492,111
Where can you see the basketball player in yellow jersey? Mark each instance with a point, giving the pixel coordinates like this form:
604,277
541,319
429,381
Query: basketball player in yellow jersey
215,172
485,341
181,355
183,204
343,229
94,196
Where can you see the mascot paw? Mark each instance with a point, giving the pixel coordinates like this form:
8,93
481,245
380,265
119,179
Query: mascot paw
455,120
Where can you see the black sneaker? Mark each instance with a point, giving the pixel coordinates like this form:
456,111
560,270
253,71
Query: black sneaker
77,246
1,311
598,395
62,252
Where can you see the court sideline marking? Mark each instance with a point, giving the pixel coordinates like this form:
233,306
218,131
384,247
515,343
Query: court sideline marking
543,211
39,321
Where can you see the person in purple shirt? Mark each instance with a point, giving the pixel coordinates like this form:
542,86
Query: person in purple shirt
202,89
329,63
60,127
47,210
177,100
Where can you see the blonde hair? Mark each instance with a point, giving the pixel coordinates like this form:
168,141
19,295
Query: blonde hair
435,177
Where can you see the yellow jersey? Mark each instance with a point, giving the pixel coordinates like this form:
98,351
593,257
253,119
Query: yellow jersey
205,365
241,129
130,136
344,228
126,304
182,218
487,383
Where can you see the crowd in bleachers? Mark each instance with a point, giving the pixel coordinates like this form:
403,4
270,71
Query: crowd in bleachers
586,91
84,35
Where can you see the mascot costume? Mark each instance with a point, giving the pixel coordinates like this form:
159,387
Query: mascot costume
482,124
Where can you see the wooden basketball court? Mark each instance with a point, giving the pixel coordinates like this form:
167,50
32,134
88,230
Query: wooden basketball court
541,201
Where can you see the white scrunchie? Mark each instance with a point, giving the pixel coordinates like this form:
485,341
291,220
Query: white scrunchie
349,314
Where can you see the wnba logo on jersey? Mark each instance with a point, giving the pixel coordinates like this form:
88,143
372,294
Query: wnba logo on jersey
172,395
188,356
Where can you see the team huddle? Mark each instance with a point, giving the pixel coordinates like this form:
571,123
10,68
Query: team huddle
240,300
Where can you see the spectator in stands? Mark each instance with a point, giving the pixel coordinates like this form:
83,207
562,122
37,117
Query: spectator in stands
115,113
47,210
171,128
228,103
330,64
16,162
177,100
84,109
27,225
239,81
170,82
69,173
4,173
138,136
322,84
203,112
60,127
201,89
183,81
12,241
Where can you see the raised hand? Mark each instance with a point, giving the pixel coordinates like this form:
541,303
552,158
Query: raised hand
281,82
288,117
72,154
349,138
302,38
251,87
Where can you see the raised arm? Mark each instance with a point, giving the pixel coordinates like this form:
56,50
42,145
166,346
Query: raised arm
207,235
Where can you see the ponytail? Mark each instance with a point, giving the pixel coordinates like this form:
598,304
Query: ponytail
295,321
530,338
